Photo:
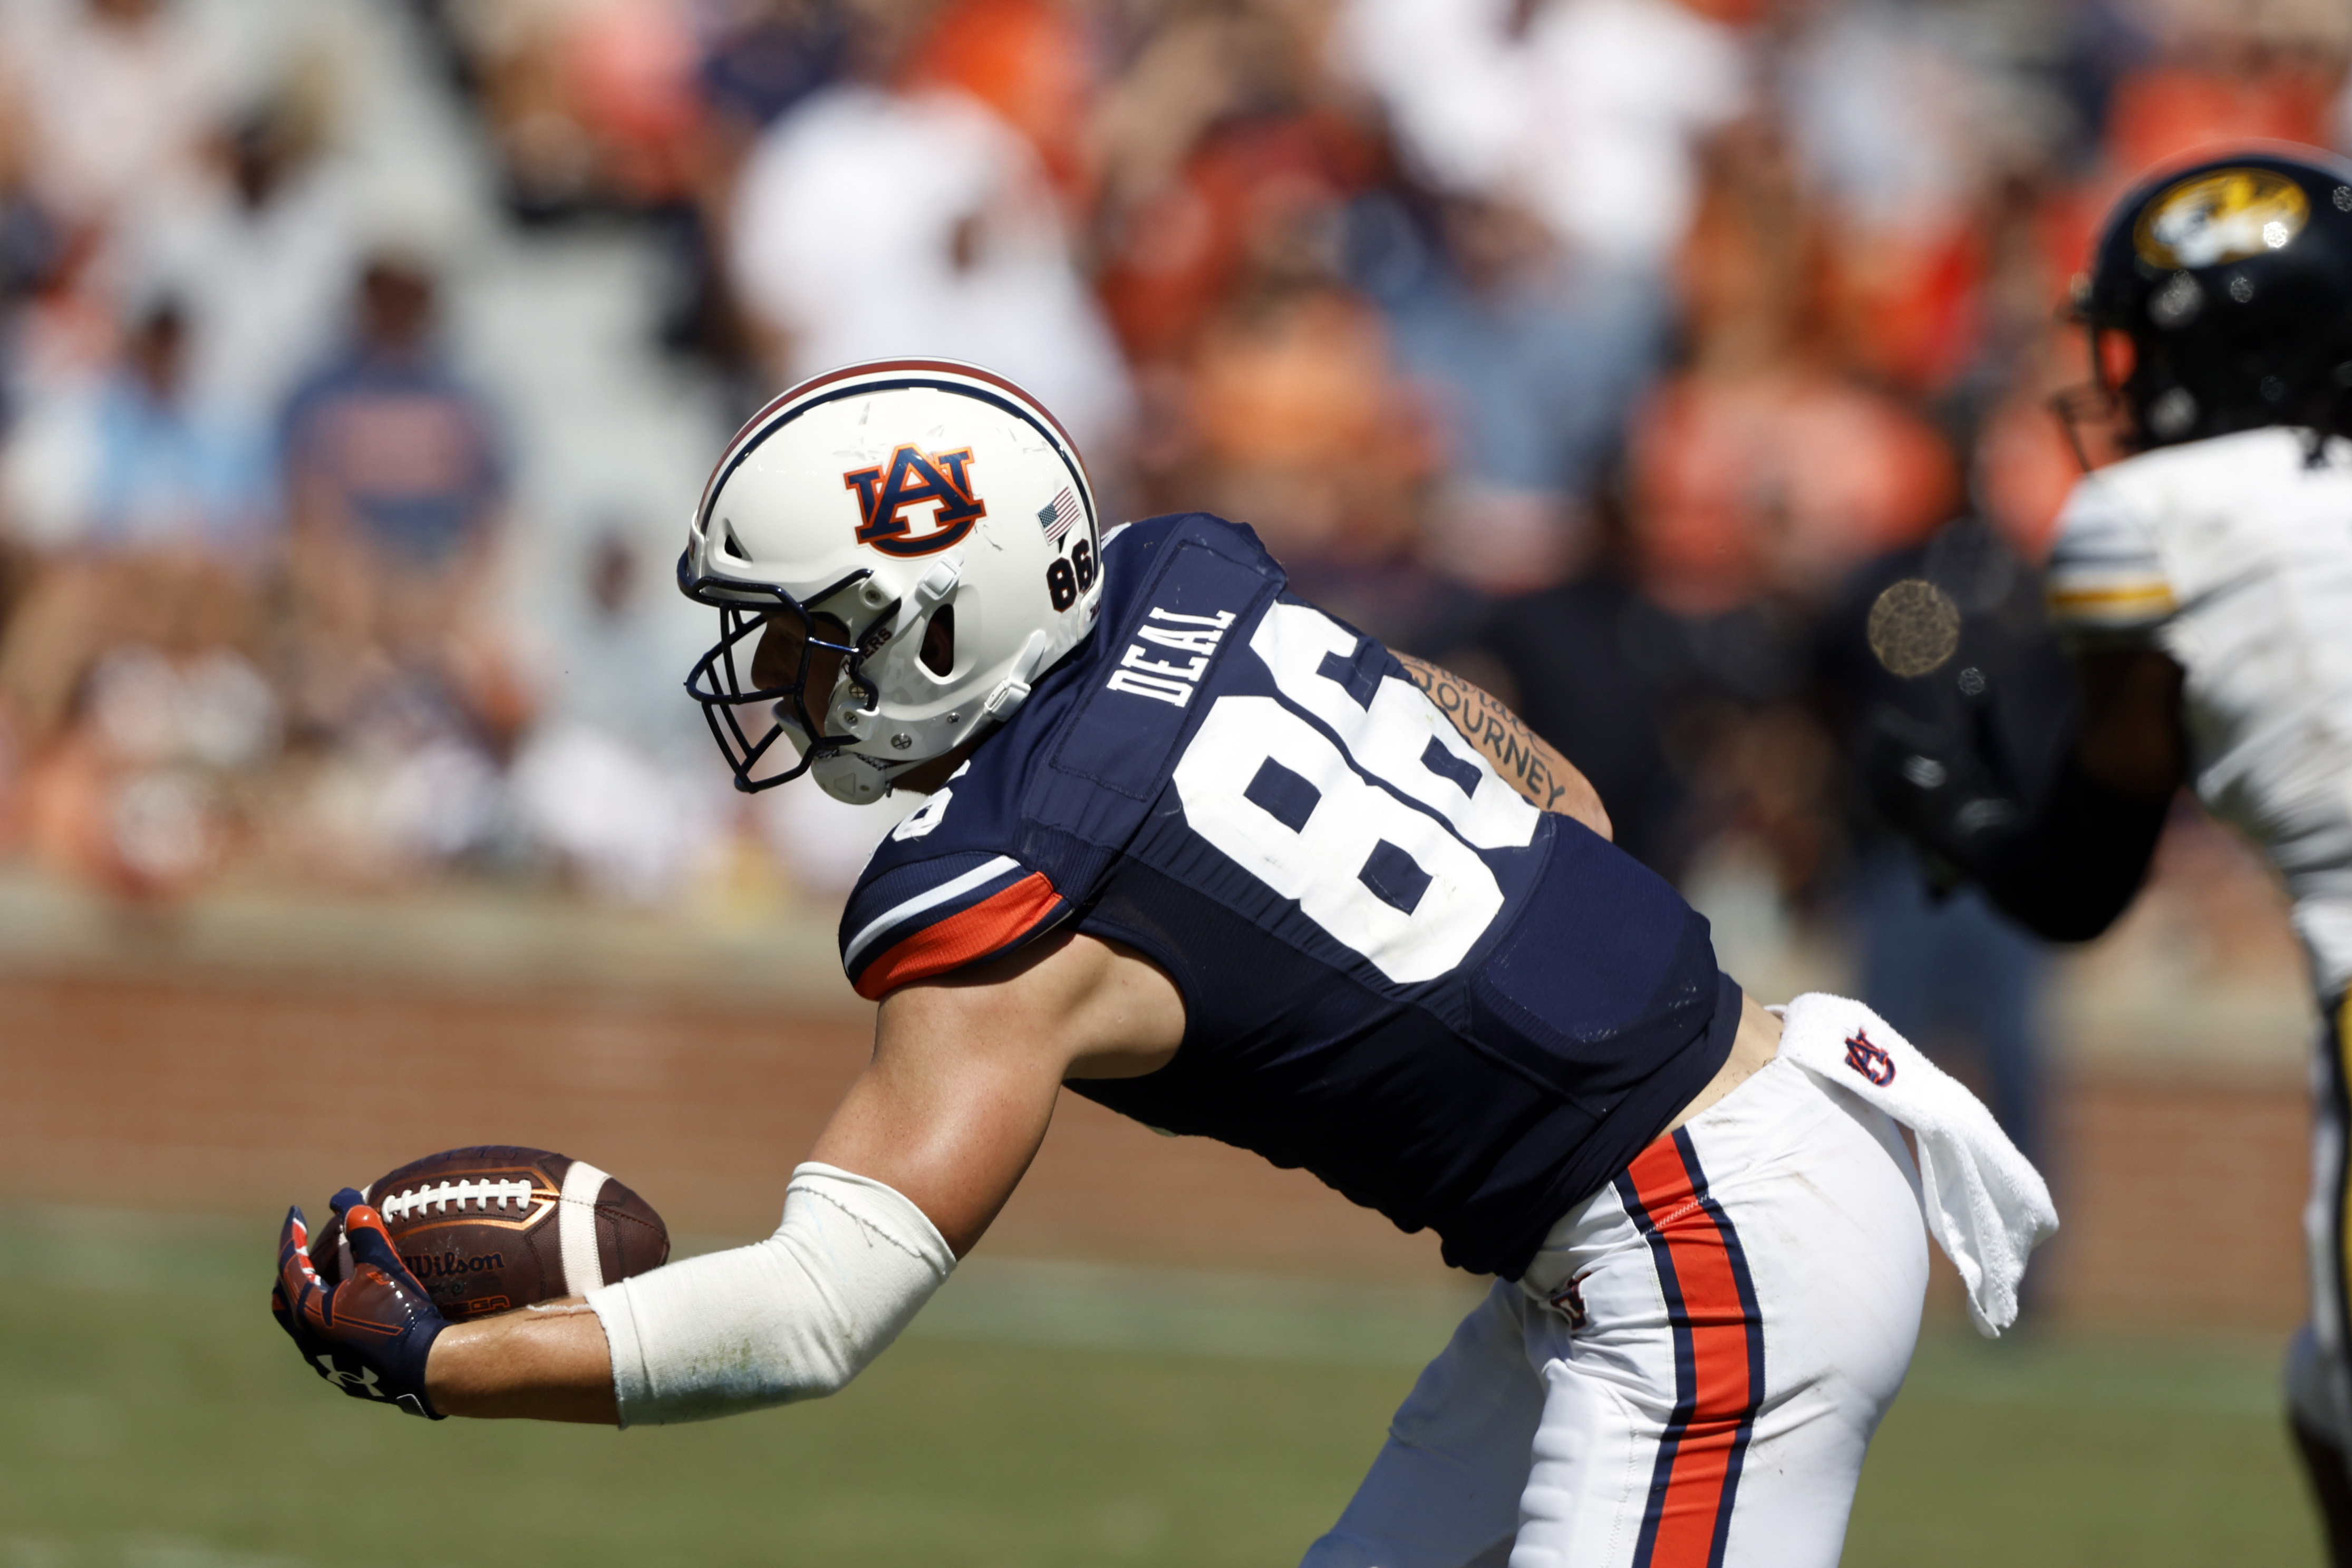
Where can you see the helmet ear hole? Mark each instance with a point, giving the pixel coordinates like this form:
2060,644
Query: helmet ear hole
730,546
939,642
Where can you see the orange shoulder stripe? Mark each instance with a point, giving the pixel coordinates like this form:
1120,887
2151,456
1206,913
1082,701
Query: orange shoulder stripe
995,923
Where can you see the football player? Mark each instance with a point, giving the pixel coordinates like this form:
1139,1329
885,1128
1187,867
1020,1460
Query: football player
1198,852
2205,583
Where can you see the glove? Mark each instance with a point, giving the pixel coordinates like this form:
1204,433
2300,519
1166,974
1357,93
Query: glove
369,1335
2064,863
1947,786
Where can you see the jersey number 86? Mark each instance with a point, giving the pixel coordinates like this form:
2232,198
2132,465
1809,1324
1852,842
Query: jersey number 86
1302,813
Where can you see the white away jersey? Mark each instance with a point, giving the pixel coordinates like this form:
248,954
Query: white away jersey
2234,556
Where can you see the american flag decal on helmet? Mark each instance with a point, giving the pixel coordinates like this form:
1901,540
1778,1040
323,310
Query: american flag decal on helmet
1056,519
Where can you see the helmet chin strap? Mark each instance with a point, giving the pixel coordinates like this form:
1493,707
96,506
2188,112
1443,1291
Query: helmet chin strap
854,778
851,777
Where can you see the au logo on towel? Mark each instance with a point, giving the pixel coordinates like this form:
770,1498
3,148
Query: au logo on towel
1870,1061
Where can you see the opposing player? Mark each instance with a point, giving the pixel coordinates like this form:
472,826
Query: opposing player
2206,584
1212,859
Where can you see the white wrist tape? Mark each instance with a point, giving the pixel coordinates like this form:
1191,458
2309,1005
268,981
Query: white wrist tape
793,1316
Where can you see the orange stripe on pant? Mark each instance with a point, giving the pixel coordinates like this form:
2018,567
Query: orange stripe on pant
1718,1337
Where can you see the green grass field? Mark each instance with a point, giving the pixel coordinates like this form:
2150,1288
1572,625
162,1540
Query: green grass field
151,1416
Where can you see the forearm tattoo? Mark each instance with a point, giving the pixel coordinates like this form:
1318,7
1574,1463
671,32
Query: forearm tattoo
1514,748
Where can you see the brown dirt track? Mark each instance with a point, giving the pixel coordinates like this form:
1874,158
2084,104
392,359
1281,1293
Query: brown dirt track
194,1089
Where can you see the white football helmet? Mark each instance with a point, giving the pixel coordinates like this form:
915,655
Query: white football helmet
925,521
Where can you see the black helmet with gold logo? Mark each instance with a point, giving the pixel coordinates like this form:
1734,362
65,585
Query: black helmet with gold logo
2232,282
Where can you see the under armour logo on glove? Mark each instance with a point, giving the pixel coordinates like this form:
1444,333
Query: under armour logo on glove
1870,1061
362,1383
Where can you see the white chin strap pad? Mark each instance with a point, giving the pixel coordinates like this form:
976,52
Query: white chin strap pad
793,1316
853,779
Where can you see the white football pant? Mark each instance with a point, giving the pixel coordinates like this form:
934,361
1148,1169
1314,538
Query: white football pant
1691,1369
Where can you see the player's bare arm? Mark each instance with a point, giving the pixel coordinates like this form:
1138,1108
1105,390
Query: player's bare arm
948,1112
1526,761
546,1363
966,1068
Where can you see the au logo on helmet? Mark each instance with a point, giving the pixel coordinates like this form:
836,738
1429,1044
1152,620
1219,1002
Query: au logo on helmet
2223,216
915,477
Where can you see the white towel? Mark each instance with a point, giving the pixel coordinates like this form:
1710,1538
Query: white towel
1986,1205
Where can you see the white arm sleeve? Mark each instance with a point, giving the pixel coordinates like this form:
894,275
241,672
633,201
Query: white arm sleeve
793,1316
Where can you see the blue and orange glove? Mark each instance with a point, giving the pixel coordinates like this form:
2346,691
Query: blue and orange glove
369,1335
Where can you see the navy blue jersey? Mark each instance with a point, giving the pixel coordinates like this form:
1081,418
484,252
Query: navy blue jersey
1397,973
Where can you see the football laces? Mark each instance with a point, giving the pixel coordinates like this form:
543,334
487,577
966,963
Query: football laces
482,1196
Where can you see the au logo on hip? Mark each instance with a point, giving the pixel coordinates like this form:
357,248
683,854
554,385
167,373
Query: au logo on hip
914,477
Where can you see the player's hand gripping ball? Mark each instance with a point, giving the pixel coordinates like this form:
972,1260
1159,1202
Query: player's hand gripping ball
459,1234
370,1334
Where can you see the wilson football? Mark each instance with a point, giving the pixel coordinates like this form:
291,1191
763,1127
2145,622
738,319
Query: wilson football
492,1229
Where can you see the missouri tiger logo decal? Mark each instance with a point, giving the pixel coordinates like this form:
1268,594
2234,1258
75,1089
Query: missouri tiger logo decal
2226,216
914,477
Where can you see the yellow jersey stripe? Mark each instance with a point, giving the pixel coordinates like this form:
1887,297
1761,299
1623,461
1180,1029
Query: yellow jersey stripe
2150,598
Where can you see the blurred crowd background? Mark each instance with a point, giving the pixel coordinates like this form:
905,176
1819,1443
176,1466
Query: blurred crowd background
359,361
